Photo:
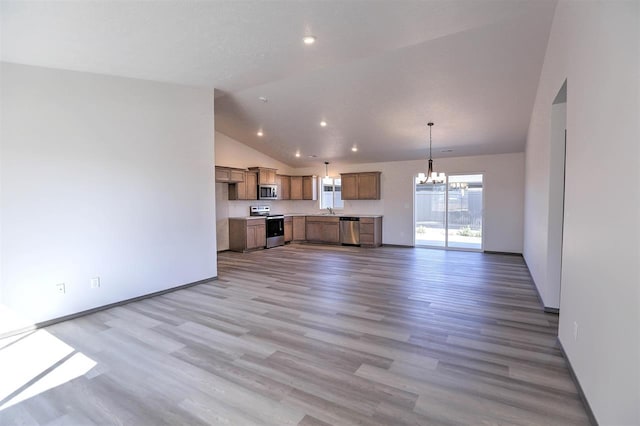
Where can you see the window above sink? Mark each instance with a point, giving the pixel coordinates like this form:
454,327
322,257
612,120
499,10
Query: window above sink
330,193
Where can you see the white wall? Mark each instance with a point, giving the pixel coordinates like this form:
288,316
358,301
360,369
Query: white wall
232,153
102,177
595,46
504,197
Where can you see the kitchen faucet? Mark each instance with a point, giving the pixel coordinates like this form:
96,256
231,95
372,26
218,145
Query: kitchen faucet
330,210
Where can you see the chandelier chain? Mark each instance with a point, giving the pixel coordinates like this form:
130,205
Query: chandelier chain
430,141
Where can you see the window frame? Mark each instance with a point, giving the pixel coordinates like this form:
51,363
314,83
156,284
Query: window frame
321,195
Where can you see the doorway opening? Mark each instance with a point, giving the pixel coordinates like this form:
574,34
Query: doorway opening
450,215
557,163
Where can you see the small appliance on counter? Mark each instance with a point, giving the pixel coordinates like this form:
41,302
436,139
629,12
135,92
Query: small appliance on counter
275,225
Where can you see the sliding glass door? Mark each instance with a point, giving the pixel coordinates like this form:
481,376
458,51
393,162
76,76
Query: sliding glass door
464,211
431,215
449,215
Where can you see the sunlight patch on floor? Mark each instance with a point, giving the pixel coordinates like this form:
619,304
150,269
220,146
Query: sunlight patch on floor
35,362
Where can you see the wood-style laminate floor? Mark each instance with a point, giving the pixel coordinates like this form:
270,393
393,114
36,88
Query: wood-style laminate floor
313,335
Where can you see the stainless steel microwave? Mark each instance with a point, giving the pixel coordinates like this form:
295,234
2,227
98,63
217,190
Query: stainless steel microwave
267,192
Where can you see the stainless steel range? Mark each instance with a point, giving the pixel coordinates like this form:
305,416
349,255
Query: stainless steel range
275,225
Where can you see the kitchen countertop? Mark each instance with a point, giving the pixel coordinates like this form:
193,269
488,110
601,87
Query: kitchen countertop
248,218
333,215
311,214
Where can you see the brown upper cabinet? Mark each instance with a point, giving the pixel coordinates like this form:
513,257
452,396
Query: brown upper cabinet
309,188
245,190
303,188
229,174
265,176
296,188
349,186
284,187
360,186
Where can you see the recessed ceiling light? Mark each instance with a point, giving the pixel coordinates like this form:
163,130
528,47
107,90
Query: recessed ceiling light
354,149
309,39
260,133
312,156
323,123
263,99
297,154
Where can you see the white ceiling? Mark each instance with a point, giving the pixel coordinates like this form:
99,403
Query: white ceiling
378,72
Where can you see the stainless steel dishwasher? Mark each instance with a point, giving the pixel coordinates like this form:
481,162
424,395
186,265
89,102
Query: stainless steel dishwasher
350,231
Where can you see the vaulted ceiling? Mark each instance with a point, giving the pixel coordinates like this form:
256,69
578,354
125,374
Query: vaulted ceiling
378,72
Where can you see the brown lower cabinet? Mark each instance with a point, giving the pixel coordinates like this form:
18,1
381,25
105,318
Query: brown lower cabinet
247,234
320,229
299,228
250,234
288,229
370,231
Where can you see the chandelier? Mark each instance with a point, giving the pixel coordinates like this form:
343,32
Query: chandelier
431,176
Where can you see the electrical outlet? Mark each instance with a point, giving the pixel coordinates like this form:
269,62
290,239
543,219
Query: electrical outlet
95,282
575,330
61,288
